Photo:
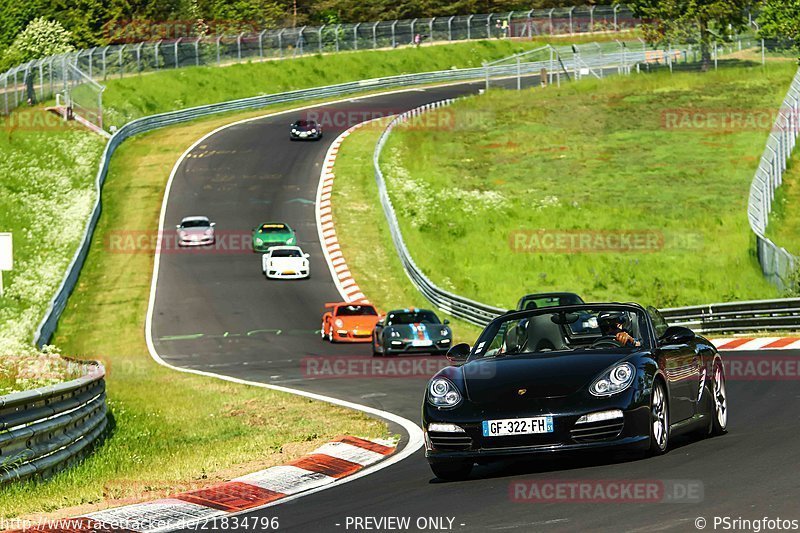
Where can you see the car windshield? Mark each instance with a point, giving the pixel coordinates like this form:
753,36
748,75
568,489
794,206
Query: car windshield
537,301
583,329
305,124
356,310
286,253
273,228
195,223
412,317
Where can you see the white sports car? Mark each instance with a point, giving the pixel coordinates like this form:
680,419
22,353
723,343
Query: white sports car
285,262
195,231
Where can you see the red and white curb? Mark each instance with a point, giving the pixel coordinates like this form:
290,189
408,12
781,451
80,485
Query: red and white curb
757,343
342,276
325,465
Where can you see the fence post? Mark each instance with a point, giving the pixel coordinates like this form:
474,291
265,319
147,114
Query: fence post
91,61
375,35
413,30
616,25
394,35
550,16
571,31
355,36
155,50
5,92
16,93
280,42
489,26
519,74
319,38
763,54
261,43
103,57
591,18
41,80
336,34
175,51
715,55
119,60
139,58
450,28
239,47
197,51
469,27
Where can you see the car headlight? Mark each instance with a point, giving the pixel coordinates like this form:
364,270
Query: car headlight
442,393
259,242
209,231
614,380
394,333
339,323
295,131
313,130
444,332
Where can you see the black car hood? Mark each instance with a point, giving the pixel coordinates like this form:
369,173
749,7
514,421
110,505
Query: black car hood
495,380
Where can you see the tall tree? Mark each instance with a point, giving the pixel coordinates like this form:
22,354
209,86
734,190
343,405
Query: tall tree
700,21
780,19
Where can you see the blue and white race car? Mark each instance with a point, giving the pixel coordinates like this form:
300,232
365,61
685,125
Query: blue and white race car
411,331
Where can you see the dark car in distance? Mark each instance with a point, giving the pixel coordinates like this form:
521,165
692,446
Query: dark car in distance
614,377
548,299
305,130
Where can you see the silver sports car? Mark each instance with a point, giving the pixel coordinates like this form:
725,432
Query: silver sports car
195,231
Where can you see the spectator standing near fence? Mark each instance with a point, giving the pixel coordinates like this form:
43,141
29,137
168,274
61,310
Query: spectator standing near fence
498,29
505,28
417,40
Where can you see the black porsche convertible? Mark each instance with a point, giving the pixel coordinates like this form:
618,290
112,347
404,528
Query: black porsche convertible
570,378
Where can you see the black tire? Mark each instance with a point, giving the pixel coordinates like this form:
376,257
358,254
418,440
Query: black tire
659,412
719,423
455,471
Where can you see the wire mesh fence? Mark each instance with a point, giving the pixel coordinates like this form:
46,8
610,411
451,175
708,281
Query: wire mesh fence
175,45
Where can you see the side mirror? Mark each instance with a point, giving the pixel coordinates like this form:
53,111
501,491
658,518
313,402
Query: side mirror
306,255
177,226
379,323
458,353
213,224
446,322
677,335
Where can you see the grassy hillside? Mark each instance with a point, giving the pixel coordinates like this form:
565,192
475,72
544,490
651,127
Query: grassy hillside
493,208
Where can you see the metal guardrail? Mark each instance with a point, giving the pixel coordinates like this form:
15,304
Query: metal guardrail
45,430
42,78
757,315
777,264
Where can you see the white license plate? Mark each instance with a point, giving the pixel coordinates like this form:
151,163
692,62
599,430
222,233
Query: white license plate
517,426
418,342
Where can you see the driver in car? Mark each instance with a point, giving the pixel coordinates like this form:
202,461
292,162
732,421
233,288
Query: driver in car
615,324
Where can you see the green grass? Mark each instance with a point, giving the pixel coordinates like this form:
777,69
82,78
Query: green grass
784,221
136,96
46,194
364,235
589,157
170,431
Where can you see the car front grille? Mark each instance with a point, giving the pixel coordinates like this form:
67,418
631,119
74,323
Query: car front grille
450,441
594,431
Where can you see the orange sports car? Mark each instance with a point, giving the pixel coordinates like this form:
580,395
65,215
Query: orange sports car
349,322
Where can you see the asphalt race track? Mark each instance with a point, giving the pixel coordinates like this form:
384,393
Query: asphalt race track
216,312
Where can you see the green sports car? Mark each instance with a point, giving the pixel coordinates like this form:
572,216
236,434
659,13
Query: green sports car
271,234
